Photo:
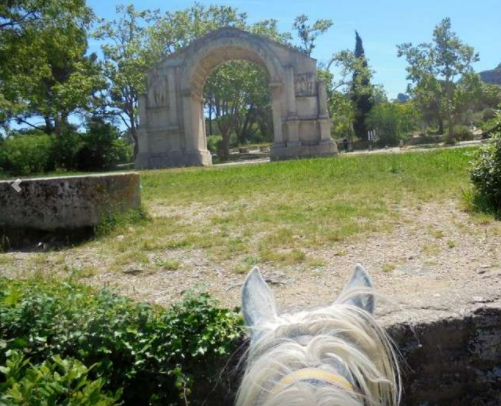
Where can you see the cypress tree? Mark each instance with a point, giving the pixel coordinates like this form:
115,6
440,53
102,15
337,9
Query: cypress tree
361,94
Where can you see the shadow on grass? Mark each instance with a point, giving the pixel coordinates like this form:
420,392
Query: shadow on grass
35,240
475,202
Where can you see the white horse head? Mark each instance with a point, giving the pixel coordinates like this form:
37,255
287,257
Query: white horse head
333,356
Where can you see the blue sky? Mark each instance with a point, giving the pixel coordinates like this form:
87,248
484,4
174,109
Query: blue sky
381,23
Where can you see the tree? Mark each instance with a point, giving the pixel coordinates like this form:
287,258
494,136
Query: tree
353,72
175,30
361,90
127,57
309,33
44,69
442,71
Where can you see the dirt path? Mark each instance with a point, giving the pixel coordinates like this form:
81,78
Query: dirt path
438,260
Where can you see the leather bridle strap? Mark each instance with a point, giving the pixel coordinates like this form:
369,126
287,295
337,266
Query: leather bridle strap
310,374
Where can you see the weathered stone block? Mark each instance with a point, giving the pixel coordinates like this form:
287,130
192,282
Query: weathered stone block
65,203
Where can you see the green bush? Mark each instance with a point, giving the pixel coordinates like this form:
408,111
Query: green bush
486,176
156,356
99,148
392,121
488,114
102,148
462,133
26,154
54,382
214,143
492,126
65,149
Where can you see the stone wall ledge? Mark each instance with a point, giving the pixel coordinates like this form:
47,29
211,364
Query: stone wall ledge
65,204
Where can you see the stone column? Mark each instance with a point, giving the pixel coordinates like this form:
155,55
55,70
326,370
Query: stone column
203,135
142,103
189,123
293,133
291,93
171,83
323,112
292,122
276,93
142,158
195,153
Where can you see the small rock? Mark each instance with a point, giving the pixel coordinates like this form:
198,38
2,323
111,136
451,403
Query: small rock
478,299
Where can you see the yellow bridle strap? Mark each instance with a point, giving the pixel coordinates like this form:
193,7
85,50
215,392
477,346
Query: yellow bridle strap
310,374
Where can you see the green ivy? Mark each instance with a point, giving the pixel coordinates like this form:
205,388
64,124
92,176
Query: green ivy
61,382
155,356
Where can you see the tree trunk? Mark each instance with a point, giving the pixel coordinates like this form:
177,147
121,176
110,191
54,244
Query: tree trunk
440,125
133,134
226,144
60,123
450,123
210,118
57,125
48,125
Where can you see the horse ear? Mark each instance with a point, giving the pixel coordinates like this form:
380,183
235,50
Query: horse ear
360,282
258,303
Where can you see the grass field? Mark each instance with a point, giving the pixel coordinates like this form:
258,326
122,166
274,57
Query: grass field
306,219
273,212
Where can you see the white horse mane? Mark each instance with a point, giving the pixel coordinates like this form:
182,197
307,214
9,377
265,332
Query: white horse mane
341,340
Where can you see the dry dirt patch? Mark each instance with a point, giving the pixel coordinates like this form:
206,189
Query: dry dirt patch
436,259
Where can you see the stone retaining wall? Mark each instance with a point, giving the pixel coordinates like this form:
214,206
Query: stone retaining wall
65,204
451,361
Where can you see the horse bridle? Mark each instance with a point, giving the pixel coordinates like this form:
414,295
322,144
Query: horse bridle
310,374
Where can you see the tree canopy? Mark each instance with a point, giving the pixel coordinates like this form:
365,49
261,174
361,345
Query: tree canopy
49,80
45,70
441,74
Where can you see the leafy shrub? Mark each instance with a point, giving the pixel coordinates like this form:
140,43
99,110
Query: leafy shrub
65,149
29,152
486,176
54,382
214,143
459,133
101,148
26,154
493,126
488,114
462,133
392,122
155,356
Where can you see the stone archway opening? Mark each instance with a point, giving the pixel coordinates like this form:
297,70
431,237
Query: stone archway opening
238,107
219,56
172,125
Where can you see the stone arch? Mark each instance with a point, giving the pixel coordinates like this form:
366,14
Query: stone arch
172,126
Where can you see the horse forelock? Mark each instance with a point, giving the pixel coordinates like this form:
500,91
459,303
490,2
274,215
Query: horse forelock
339,339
